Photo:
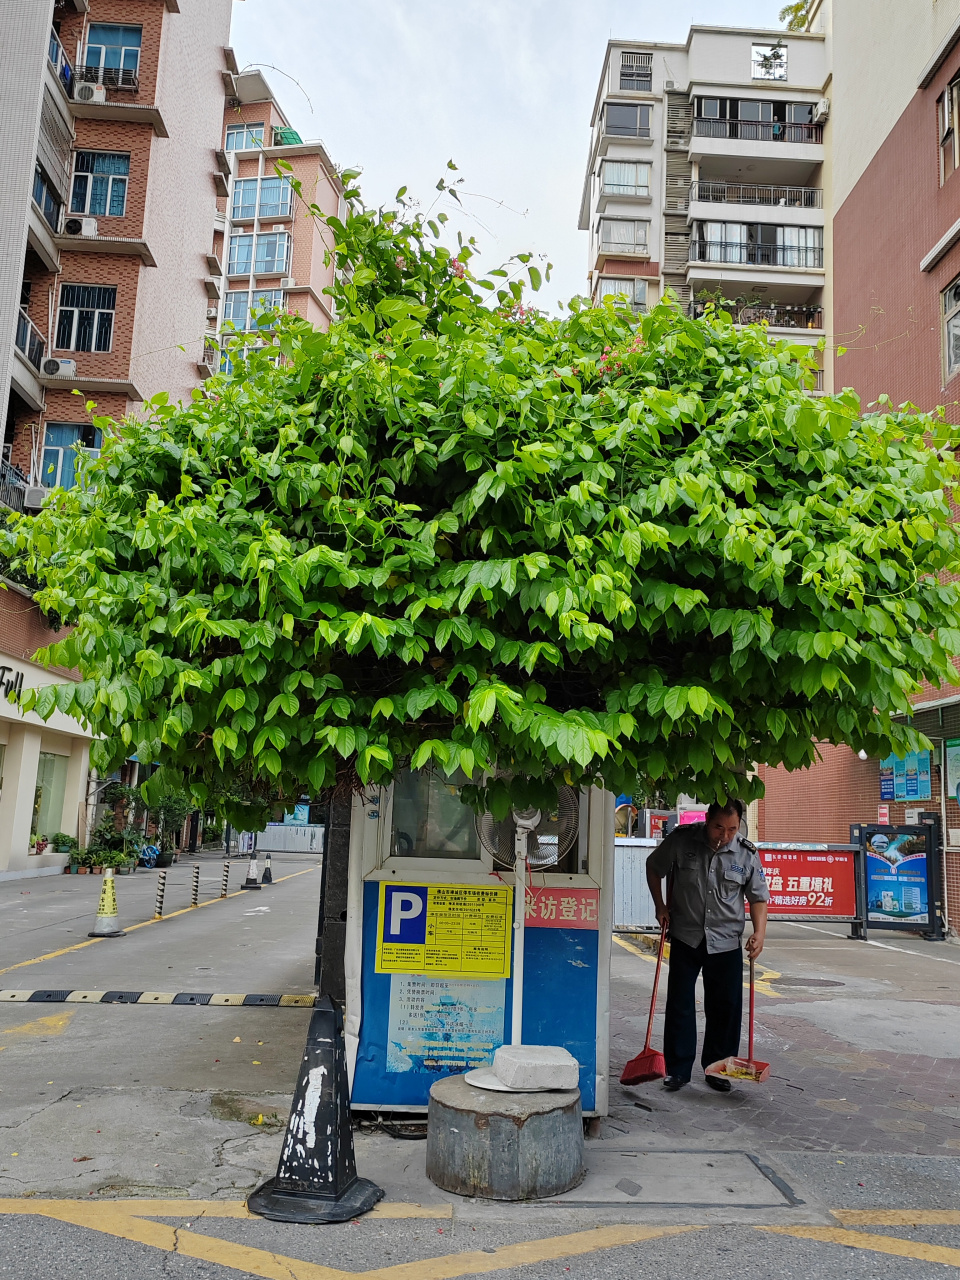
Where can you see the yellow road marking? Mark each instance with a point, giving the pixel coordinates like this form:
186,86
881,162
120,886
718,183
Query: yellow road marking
55,1025
78,946
876,1244
898,1217
762,983
199,1209
109,1218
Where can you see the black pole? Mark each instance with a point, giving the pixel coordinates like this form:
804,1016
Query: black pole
331,978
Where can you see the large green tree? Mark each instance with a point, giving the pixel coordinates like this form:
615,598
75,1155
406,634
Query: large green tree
455,532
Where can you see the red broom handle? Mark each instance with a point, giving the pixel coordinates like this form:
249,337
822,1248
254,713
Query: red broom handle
750,1052
656,985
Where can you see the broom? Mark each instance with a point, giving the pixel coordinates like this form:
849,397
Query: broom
648,1064
734,1068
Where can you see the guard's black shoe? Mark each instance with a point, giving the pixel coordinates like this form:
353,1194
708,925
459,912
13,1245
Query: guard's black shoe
719,1083
673,1083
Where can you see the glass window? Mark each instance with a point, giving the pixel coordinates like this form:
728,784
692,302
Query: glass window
628,120
768,62
635,291
636,71
622,178
235,308
244,198
617,235
244,137
750,109
710,108
429,818
948,109
63,443
113,47
799,113
262,305
85,319
100,183
241,255
951,328
275,195
271,255
46,199
48,797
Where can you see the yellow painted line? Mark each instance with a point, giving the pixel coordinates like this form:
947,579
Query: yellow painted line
198,1209
875,1244
629,946
899,1217
78,946
55,1025
109,1218
762,983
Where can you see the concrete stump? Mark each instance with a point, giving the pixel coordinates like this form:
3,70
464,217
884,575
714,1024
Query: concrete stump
503,1146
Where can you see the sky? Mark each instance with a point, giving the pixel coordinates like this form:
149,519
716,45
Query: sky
504,88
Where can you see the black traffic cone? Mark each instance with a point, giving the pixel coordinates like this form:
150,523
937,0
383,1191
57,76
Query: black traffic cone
251,881
267,877
316,1178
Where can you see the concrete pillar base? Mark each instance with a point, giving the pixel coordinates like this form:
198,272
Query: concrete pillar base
513,1146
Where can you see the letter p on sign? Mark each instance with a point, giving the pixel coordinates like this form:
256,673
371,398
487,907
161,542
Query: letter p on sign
405,913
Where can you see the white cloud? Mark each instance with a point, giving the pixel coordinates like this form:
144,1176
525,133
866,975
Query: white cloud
504,87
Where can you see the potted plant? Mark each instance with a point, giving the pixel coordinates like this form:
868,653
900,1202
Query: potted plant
116,859
63,843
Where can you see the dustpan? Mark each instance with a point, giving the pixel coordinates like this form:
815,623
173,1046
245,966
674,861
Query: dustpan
649,1064
747,1068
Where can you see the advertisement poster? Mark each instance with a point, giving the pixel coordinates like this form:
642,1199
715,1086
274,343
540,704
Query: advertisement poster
887,791
909,778
438,1025
447,930
807,883
951,751
688,816
897,877
657,822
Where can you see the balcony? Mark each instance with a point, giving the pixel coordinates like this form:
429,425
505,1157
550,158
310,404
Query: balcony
776,315
13,486
774,197
617,249
110,77
29,340
741,252
758,130
60,63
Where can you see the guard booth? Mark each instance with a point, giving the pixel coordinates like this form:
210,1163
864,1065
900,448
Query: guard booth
430,948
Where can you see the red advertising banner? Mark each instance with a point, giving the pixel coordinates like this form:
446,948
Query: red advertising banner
810,882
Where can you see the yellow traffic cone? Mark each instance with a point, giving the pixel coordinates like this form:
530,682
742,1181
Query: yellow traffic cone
108,922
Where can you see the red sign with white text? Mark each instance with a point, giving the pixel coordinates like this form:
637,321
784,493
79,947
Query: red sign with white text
807,883
555,908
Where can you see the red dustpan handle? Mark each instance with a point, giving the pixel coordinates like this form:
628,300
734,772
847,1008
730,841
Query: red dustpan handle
656,984
752,1003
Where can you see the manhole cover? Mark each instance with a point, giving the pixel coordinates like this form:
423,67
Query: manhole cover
806,982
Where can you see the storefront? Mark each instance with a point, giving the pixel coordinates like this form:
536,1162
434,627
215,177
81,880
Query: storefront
43,777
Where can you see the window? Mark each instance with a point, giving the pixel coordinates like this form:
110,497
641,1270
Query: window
244,137
246,311
429,818
617,235
750,109
636,71
948,109
627,119
768,62
85,321
241,255
62,443
622,178
710,108
46,199
951,329
635,291
271,255
114,51
48,797
235,308
275,198
100,183
799,113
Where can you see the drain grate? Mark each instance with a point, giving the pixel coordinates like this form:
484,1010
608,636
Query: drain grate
807,982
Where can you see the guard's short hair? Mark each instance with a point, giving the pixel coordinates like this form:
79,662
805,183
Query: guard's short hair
729,806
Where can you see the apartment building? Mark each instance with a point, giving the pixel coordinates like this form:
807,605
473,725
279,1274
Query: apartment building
268,246
704,175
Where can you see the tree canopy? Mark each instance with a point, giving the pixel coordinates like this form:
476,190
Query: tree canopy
454,532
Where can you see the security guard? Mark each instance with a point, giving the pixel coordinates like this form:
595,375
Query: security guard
710,870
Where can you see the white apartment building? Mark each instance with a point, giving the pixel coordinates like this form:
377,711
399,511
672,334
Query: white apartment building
704,175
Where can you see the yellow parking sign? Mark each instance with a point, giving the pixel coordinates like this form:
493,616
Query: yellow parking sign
457,930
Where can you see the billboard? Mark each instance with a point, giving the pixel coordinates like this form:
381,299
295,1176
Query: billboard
898,866
909,778
817,883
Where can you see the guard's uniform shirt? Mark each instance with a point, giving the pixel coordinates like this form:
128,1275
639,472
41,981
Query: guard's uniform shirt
707,890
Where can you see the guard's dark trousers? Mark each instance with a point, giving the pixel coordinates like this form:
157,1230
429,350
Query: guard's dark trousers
722,1005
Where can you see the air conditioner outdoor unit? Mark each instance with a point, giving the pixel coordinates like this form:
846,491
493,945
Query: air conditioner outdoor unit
288,282
90,93
212,313
821,111
60,368
33,497
80,227
669,84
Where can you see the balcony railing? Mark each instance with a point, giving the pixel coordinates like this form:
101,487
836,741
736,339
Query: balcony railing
110,77
29,340
739,193
758,130
626,130
13,484
620,189
760,255
60,63
617,250
777,315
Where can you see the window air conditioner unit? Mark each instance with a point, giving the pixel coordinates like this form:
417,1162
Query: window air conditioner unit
669,84
90,93
212,313
288,282
33,497
80,227
821,111
53,368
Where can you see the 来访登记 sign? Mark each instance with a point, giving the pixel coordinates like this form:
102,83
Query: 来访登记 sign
449,930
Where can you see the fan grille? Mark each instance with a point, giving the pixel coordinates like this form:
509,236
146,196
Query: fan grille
554,837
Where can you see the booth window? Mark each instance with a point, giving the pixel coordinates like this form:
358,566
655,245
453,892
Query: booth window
429,818
48,798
